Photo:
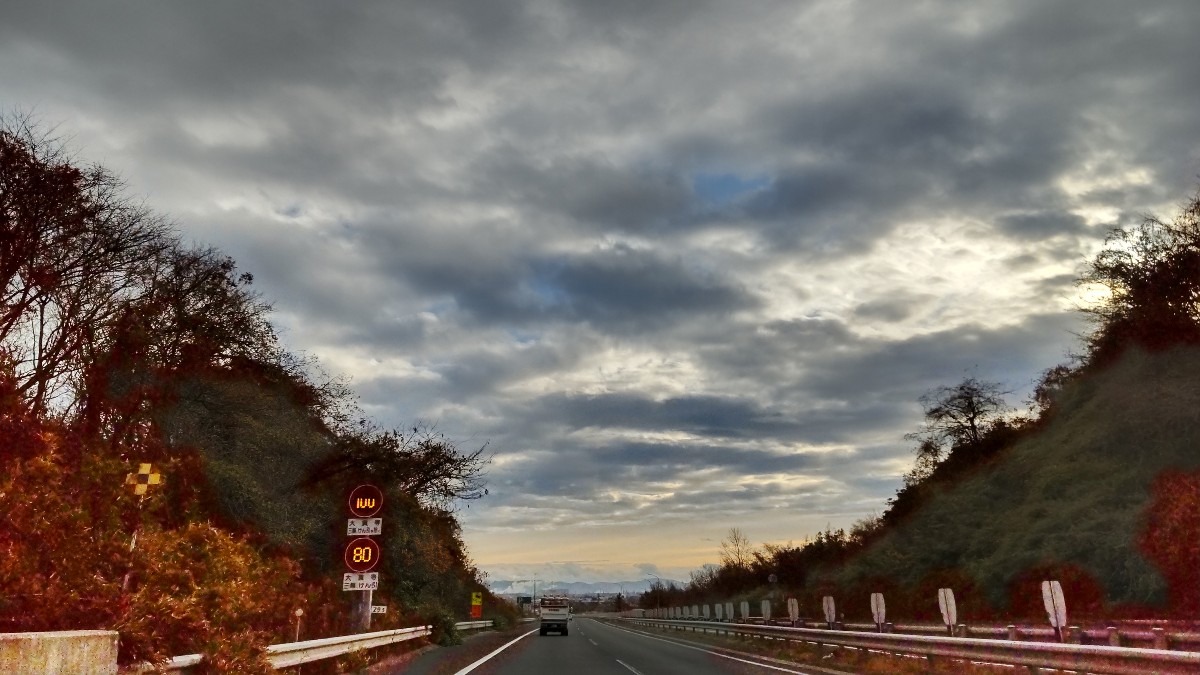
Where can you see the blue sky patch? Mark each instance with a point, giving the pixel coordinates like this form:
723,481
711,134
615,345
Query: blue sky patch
720,189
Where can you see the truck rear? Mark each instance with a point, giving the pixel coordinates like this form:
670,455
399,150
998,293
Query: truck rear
555,613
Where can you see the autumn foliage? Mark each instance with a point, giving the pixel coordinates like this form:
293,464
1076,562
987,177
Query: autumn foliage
1170,538
65,553
121,345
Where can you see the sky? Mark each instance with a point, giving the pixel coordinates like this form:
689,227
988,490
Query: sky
683,266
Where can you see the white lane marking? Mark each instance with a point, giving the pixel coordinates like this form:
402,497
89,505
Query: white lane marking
631,668
592,641
706,651
480,662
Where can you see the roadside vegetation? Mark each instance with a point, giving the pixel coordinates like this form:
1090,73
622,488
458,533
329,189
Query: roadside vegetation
122,345
1096,484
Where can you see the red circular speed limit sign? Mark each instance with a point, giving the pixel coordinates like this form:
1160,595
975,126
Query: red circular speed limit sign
365,501
362,555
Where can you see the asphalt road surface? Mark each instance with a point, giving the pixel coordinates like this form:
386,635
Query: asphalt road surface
596,648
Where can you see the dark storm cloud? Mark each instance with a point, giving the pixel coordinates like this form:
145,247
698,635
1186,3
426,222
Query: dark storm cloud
1058,286
591,191
702,415
591,474
896,307
478,374
888,149
1033,226
614,289
234,51
1011,355
713,416
615,285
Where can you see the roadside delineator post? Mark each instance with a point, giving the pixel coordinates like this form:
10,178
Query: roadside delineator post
948,609
1056,606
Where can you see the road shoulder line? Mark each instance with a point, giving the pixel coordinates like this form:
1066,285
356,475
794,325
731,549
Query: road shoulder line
483,660
631,668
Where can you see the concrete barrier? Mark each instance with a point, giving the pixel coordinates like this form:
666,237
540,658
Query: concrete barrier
68,652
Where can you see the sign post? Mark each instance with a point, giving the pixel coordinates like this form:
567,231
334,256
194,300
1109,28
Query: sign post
793,611
362,554
477,605
139,483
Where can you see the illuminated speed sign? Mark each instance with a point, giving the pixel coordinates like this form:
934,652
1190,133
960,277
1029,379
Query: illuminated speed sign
362,555
365,501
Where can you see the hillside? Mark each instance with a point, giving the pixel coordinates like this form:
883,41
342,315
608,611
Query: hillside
190,474
1074,493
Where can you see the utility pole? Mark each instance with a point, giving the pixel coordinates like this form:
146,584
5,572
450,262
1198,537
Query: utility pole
525,581
657,598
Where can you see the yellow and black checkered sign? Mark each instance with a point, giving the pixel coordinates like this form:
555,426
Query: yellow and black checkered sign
141,481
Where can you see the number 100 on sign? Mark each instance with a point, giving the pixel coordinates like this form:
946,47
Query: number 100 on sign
362,555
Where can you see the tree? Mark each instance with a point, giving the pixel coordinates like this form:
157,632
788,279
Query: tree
964,424
423,464
960,415
71,247
1152,276
1050,386
736,551
929,454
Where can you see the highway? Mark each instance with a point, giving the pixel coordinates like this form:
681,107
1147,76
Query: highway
596,648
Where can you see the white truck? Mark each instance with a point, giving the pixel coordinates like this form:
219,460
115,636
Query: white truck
555,612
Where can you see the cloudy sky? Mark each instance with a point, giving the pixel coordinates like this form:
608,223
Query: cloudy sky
685,265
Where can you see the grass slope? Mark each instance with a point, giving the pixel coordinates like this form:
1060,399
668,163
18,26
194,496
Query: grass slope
1073,493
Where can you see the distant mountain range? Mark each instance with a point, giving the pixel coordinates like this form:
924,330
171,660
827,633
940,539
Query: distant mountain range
503,587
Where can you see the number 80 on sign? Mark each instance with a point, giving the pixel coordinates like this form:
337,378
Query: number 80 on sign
362,555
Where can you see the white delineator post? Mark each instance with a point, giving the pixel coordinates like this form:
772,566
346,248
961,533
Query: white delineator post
1056,606
878,611
949,611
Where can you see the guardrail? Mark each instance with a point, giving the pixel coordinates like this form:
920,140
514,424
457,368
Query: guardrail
1032,655
290,654
1113,636
1153,637
1126,633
